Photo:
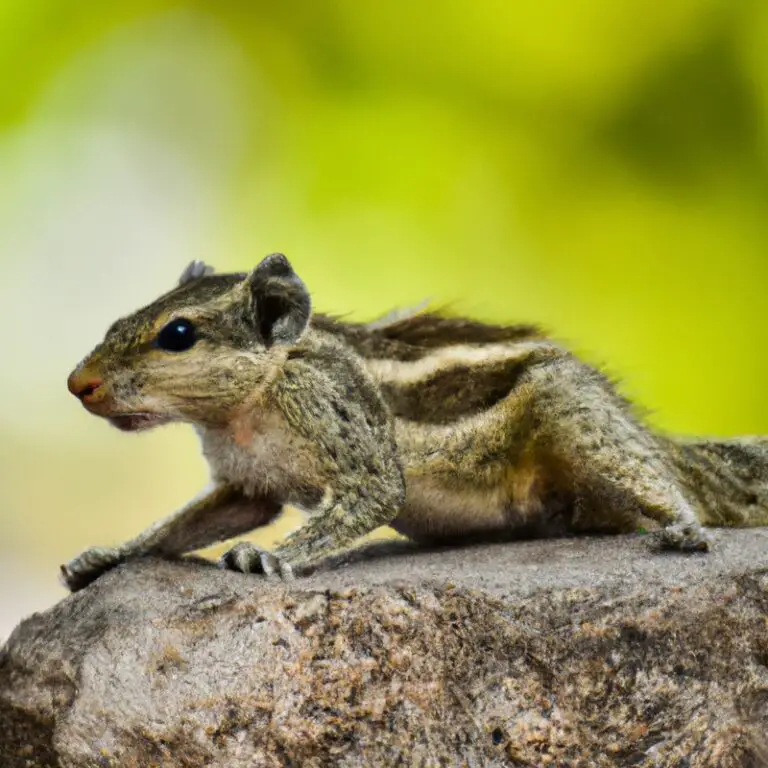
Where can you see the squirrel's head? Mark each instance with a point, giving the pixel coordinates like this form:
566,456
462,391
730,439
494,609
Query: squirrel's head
196,353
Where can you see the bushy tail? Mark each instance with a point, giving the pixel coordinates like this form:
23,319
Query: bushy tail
728,479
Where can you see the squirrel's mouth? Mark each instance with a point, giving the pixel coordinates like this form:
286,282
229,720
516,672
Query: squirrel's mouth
135,422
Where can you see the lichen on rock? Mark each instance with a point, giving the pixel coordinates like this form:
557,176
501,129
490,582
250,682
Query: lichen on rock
462,657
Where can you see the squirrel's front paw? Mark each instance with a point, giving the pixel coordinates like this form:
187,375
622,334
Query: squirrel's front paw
248,558
88,566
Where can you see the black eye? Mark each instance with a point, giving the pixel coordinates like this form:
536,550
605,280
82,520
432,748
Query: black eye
177,336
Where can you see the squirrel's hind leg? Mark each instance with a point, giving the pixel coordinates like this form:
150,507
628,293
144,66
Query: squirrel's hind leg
616,466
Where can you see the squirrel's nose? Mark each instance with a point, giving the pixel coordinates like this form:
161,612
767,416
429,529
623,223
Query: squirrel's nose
83,386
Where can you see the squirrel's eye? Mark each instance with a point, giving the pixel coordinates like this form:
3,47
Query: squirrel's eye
177,336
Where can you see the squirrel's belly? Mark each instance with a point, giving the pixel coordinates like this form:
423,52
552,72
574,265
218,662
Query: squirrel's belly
435,511
446,508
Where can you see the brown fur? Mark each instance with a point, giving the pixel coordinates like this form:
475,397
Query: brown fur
444,428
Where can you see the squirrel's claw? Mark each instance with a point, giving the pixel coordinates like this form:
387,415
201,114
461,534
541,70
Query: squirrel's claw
88,566
248,558
684,538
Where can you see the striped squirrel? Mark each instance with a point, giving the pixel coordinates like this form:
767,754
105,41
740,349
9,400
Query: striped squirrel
446,429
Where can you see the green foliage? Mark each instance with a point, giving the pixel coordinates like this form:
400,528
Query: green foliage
597,167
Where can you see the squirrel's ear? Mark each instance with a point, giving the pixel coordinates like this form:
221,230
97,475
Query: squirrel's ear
194,270
280,301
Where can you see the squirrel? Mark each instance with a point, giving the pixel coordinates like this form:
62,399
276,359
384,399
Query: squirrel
446,429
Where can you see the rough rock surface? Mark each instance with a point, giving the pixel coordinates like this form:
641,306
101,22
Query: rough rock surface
582,652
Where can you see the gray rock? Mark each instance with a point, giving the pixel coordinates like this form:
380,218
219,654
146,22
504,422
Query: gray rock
580,652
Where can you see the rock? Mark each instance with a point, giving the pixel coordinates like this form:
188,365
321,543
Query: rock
579,652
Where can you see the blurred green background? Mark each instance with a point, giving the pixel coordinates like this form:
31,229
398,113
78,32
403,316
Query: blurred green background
599,167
